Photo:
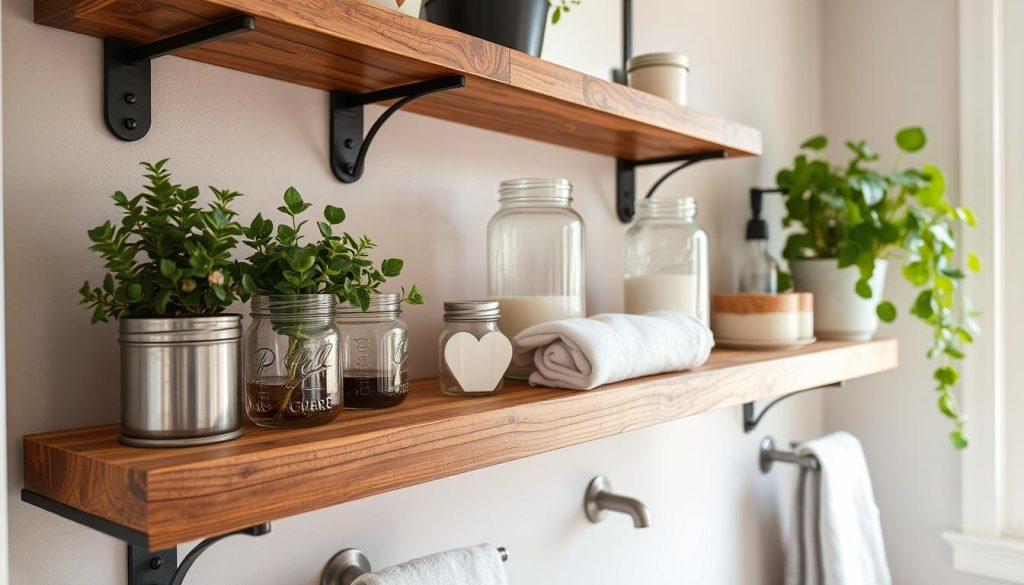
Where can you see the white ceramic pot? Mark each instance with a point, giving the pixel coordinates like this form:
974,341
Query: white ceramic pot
410,7
839,312
662,74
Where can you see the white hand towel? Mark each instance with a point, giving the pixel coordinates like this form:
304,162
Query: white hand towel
585,353
851,547
478,565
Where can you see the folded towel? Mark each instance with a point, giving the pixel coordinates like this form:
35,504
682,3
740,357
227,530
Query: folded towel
851,550
585,353
478,565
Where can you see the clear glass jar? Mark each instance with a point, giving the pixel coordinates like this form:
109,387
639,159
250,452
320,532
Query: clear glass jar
667,259
477,318
535,256
374,348
293,369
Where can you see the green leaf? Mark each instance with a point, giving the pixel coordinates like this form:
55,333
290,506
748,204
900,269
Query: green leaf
973,262
134,292
947,405
933,195
414,297
911,139
160,302
923,305
167,268
248,284
99,315
293,201
785,281
108,284
301,259
362,298
863,288
848,254
916,273
334,215
886,311
325,229
947,375
967,216
818,142
556,15
959,439
391,267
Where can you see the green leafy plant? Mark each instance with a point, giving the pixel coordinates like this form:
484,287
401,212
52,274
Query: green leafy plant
560,7
337,263
857,213
168,257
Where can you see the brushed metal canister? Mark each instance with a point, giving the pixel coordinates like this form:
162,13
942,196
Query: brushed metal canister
181,380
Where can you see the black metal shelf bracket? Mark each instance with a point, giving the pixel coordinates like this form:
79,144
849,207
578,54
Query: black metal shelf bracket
348,146
625,178
127,74
145,567
750,421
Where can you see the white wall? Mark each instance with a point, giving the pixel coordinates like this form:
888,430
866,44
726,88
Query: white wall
429,189
889,65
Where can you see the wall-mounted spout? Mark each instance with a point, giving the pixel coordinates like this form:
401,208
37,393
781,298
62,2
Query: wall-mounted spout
600,499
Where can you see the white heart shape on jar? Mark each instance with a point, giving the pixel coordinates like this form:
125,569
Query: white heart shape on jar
478,365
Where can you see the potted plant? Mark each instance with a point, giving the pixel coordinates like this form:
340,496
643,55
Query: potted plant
293,370
852,221
517,24
169,279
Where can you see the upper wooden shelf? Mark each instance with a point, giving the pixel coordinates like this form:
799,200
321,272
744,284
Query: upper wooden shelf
176,495
352,46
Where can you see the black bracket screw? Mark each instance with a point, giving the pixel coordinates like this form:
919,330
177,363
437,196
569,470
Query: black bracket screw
155,563
130,98
131,124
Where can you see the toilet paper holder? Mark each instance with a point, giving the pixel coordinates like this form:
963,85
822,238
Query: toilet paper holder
350,564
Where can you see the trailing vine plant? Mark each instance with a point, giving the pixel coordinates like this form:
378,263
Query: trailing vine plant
858,213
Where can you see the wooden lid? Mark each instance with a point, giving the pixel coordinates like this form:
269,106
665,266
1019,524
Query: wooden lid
747,303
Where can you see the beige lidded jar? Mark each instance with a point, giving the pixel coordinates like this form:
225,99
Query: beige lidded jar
662,74
746,317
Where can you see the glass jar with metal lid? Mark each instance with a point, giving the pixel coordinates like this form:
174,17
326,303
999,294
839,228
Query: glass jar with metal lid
374,348
474,354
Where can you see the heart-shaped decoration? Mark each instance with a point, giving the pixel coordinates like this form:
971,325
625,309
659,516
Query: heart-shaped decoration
478,365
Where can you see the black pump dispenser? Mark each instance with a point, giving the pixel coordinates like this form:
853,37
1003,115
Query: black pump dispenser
757,228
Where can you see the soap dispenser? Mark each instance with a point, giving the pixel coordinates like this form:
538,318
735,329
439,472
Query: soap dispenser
759,271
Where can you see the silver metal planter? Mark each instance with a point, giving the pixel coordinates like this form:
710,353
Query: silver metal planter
181,380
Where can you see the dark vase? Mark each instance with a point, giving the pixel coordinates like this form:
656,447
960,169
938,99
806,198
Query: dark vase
517,24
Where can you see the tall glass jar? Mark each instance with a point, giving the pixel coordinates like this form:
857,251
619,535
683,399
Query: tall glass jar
293,369
667,259
535,256
477,318
374,348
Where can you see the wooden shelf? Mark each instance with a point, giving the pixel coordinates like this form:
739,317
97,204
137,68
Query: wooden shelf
177,495
352,46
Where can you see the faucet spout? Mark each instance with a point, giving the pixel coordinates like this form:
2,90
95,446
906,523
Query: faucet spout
600,500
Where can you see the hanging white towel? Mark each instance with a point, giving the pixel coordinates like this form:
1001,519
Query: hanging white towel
841,500
478,565
584,353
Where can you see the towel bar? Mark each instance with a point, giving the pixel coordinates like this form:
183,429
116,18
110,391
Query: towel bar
350,564
769,455
808,464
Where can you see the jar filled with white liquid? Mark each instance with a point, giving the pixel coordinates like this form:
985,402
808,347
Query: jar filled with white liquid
667,259
535,263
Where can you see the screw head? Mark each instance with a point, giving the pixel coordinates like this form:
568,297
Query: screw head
130,98
131,124
349,143
155,563
350,168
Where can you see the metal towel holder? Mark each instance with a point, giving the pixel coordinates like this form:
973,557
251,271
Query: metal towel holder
350,564
769,455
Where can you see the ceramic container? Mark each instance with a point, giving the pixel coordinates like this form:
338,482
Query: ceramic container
662,74
752,317
839,312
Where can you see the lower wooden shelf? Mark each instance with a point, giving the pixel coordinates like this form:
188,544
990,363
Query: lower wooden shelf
162,498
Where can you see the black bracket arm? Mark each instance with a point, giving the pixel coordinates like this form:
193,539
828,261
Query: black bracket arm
625,178
127,74
750,421
348,146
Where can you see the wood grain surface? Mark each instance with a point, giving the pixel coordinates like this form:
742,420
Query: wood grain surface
179,495
353,46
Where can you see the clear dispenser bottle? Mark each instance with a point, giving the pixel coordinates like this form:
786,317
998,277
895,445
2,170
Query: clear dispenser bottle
535,256
667,259
759,270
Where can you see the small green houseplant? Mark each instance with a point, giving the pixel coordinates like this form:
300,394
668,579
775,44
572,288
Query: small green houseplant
169,278
293,373
856,216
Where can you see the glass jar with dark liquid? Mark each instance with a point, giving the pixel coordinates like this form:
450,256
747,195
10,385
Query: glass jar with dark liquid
293,365
374,348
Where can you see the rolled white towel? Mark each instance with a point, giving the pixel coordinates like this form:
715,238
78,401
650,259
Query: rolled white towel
585,353
478,565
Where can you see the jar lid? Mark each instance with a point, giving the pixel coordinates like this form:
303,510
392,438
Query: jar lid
471,311
649,59
379,303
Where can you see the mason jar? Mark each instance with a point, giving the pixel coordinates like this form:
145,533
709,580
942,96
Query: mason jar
374,348
667,259
535,256
293,362
474,368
